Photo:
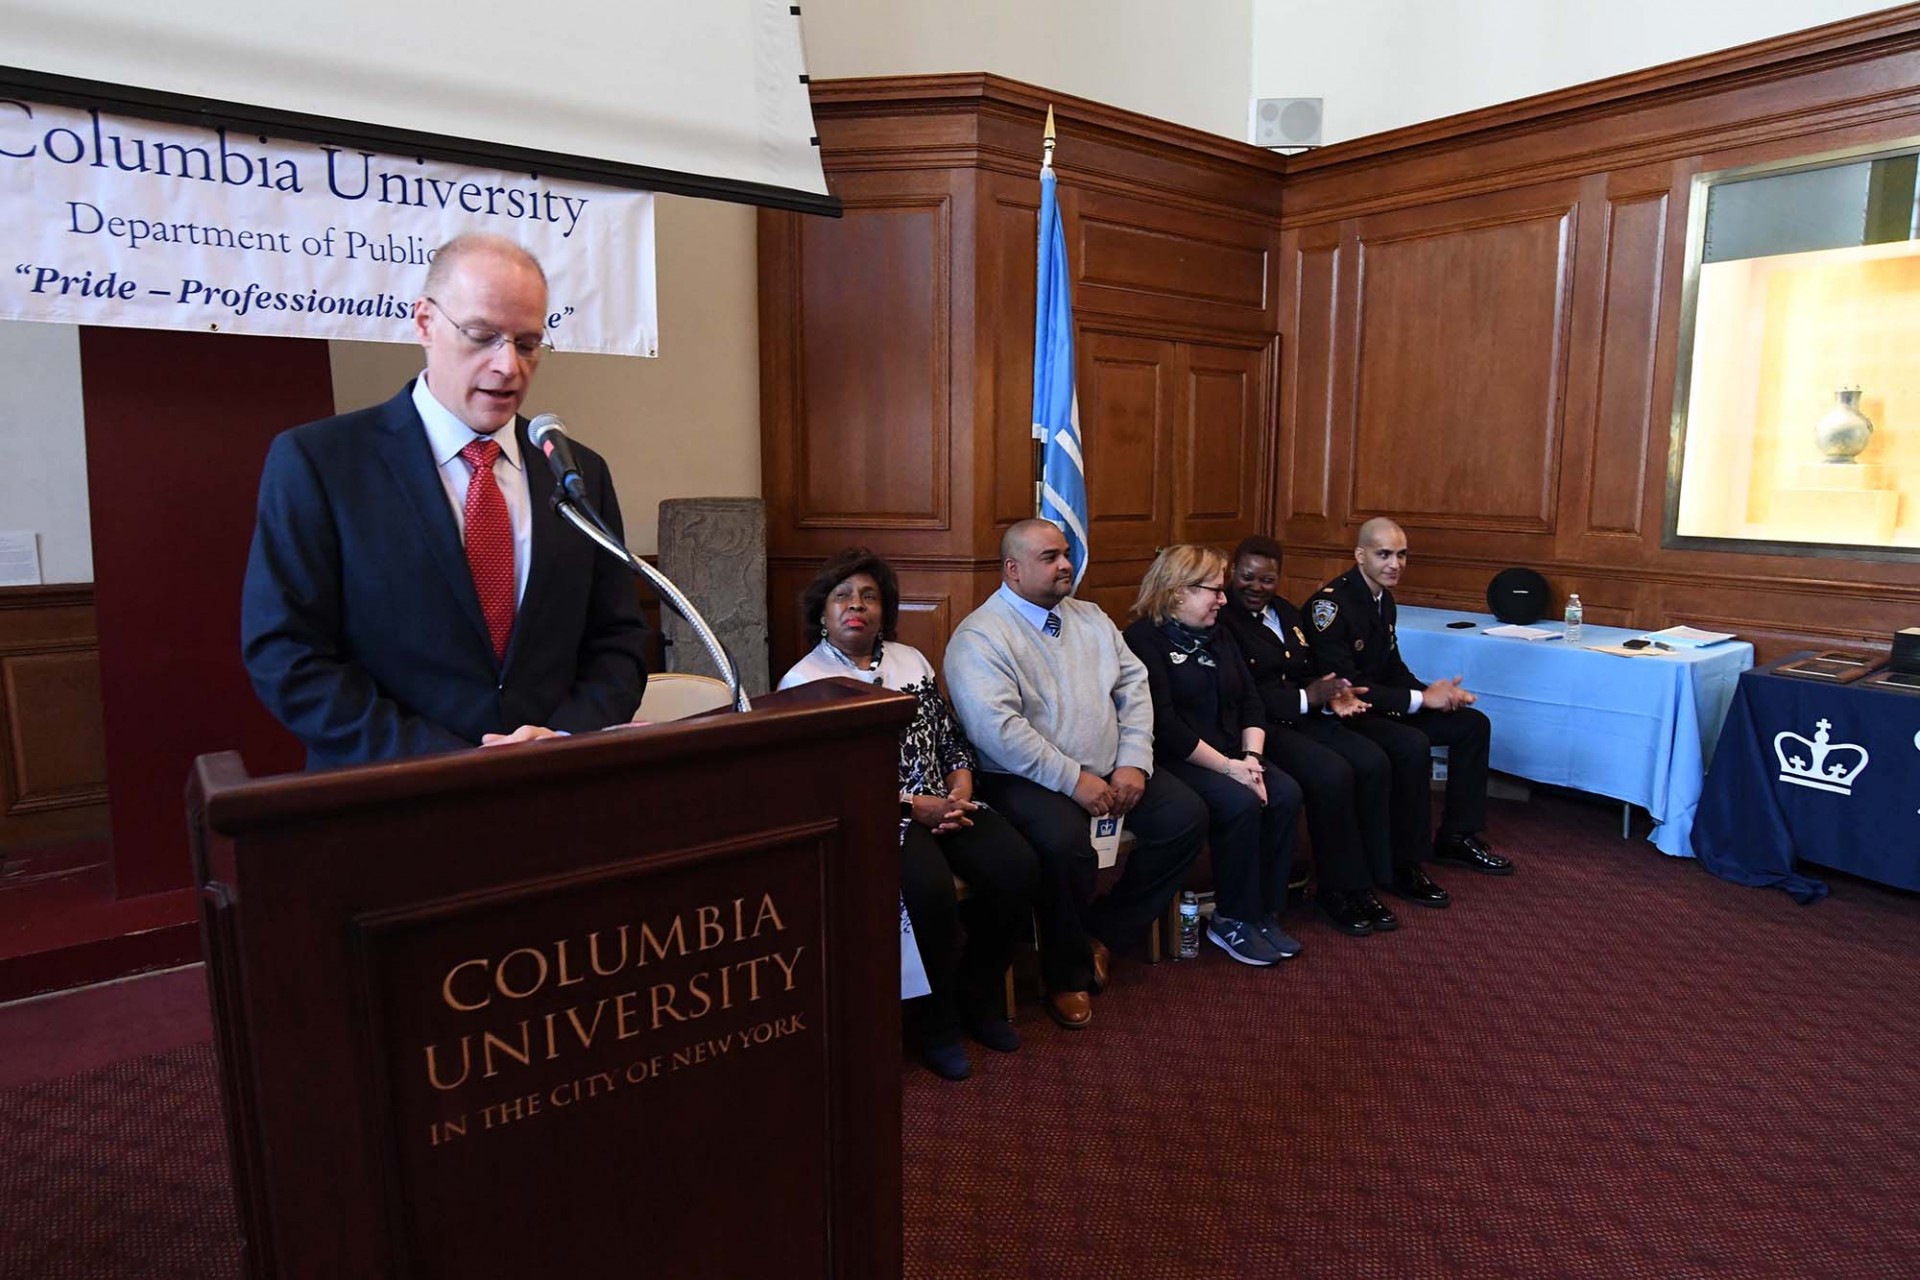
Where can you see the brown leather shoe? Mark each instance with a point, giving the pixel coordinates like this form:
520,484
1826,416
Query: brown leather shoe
1071,1009
1102,965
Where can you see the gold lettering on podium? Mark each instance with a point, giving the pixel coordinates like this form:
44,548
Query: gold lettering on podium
512,1051
593,954
601,1084
446,988
539,973
433,1065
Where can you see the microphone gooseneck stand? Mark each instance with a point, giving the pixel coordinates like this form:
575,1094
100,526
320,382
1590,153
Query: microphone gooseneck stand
582,516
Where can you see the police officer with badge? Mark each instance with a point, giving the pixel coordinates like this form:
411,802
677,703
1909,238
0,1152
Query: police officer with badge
1350,622
1349,783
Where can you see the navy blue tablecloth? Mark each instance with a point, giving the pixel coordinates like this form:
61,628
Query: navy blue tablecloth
1805,769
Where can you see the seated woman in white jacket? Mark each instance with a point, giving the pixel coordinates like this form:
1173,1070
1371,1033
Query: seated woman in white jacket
852,606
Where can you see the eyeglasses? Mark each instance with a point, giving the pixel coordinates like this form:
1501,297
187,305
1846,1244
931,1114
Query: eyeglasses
480,338
1211,588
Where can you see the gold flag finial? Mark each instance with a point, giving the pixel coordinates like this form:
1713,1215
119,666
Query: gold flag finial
1046,155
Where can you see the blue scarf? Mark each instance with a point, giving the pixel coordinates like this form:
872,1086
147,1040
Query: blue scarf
1189,642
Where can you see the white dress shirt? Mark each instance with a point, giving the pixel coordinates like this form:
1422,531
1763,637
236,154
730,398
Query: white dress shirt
1419,700
1270,618
446,437
1026,608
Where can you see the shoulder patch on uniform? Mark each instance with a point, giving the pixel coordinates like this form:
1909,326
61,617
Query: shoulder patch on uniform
1323,613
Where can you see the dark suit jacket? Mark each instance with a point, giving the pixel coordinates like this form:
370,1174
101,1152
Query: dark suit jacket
360,625
1282,669
1354,640
1178,725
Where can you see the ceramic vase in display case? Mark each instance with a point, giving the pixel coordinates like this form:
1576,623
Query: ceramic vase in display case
1843,431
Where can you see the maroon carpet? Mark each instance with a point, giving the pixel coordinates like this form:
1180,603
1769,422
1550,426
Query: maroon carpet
118,1174
1609,1065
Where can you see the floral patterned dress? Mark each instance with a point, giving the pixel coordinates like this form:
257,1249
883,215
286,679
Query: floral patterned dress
933,744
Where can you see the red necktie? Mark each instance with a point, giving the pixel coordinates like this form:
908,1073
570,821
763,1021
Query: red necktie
489,543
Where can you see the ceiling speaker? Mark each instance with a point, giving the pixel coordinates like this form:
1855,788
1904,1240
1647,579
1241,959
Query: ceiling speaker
1286,122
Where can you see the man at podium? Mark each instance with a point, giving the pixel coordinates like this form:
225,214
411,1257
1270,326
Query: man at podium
408,588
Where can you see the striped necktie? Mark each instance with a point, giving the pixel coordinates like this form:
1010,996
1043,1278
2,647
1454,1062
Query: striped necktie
1053,623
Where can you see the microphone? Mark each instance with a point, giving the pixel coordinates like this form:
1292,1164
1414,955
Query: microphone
549,435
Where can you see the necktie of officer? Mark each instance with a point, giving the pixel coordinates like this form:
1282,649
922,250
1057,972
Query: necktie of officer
1053,623
489,543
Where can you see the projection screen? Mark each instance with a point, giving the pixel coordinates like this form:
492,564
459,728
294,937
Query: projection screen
692,97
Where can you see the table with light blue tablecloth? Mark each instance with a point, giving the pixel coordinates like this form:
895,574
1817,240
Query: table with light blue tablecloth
1638,729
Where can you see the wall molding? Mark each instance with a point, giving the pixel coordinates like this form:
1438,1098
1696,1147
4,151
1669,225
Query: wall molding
1799,54
1907,596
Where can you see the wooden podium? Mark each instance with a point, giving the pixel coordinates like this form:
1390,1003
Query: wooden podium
625,1004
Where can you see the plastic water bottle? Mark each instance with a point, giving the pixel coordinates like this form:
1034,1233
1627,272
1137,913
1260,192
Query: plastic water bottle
1189,926
1575,614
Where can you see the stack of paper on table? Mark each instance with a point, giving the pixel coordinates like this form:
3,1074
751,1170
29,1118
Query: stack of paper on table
1512,632
1689,637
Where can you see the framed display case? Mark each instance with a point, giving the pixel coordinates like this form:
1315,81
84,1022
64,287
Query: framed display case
1796,425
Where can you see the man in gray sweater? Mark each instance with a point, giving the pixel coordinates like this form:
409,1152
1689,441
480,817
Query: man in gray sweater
1058,709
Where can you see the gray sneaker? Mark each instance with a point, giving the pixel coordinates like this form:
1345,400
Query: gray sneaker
1241,941
1284,944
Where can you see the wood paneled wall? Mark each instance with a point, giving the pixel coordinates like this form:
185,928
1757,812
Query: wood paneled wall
1471,325
897,341
53,766
1482,318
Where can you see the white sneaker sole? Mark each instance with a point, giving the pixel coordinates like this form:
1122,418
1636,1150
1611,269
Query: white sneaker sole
1214,938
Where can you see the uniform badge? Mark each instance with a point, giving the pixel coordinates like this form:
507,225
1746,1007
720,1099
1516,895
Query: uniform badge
1300,635
1323,613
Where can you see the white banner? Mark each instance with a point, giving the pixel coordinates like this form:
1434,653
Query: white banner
116,221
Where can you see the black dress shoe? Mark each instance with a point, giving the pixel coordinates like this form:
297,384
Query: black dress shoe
1473,853
1348,912
1384,921
1412,884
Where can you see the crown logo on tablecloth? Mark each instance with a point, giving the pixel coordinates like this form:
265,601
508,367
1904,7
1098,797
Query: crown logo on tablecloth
1820,764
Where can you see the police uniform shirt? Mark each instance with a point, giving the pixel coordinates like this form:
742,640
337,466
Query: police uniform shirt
1352,633
1276,648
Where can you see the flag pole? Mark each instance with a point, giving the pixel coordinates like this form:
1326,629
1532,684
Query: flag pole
1039,443
1061,490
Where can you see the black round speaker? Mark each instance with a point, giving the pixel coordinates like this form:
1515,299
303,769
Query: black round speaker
1519,596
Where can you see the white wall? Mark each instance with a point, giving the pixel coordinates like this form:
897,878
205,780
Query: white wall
1182,60
1383,64
43,446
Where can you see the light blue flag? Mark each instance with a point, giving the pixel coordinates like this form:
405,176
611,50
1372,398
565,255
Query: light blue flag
1056,411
